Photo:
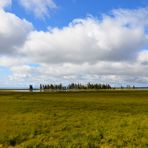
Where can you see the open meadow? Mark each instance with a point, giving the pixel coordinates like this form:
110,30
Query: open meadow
105,119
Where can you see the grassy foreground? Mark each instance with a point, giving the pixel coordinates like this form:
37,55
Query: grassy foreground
105,119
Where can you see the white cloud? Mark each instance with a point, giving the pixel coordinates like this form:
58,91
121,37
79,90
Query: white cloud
40,8
13,32
107,50
102,72
87,41
143,57
138,17
5,3
22,71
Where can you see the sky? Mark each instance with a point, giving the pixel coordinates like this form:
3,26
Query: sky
81,41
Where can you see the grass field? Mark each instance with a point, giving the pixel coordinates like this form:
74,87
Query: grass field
105,119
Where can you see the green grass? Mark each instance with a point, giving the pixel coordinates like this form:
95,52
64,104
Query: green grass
105,119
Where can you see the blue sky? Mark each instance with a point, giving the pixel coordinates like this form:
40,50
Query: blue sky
54,41
67,10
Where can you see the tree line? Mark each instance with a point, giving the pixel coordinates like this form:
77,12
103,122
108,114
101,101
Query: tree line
74,86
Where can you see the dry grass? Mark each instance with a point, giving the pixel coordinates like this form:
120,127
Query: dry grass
105,119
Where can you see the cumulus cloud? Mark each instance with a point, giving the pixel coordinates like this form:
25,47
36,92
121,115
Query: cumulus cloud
88,41
13,32
110,50
40,8
22,71
102,72
143,57
5,3
125,16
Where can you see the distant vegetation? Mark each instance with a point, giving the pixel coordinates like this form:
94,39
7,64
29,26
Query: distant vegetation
75,86
80,86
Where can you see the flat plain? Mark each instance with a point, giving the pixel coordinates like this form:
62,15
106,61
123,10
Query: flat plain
105,119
